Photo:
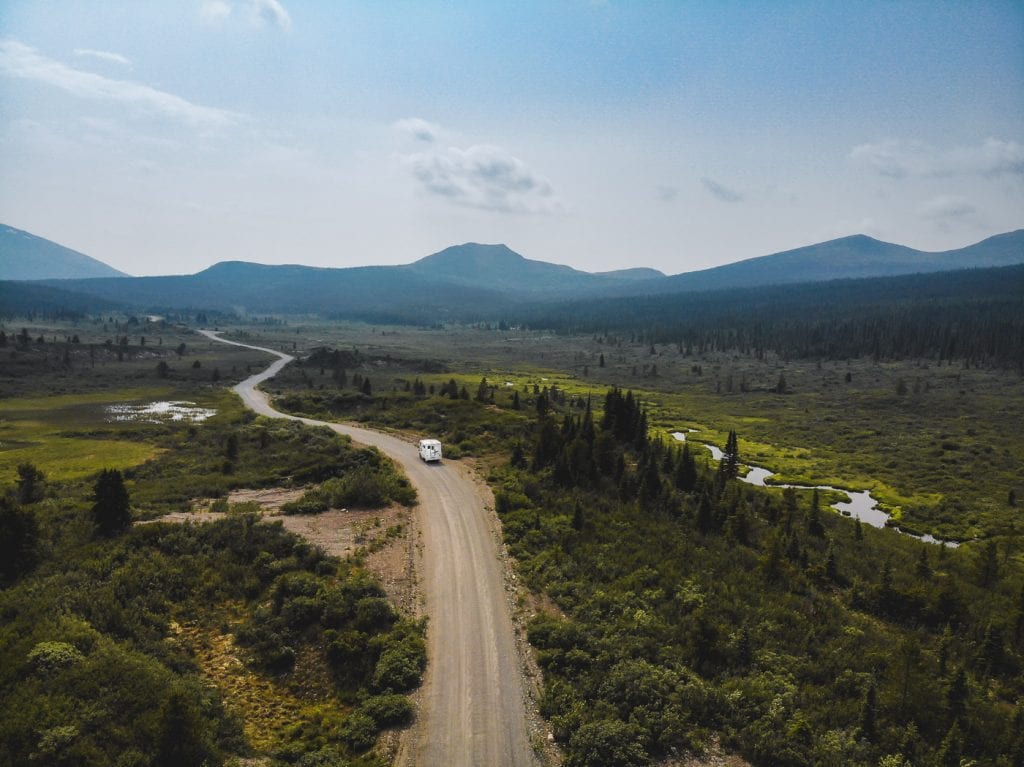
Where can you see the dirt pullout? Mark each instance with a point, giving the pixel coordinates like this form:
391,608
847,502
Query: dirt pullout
269,499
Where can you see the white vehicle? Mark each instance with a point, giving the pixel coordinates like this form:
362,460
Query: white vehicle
430,450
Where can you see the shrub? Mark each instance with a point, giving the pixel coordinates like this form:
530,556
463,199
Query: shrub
47,656
388,710
359,731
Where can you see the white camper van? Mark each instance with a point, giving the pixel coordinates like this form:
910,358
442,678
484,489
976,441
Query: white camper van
430,450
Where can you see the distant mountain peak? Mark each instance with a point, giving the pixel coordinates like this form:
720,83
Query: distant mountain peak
472,252
24,256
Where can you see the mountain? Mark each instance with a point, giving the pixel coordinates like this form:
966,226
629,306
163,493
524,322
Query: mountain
498,267
24,256
845,258
473,282
380,293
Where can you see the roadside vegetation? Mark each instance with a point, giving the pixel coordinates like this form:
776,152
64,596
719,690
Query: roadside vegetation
168,644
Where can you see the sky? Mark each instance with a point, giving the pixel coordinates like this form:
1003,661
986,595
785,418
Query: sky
163,137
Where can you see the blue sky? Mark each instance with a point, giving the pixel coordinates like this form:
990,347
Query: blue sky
163,137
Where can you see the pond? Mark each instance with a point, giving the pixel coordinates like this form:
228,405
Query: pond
159,412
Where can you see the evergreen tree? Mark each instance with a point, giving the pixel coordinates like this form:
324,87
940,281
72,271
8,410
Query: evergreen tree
831,567
111,509
19,540
704,519
952,748
956,695
686,471
515,401
988,565
814,526
869,714
600,362
730,464
923,568
367,389
182,738
30,483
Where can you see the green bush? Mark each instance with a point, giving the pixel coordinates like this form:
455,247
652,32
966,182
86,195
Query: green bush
359,731
388,710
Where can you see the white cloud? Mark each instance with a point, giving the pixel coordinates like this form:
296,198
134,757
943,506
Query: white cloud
482,176
947,207
258,12
419,129
900,159
113,58
214,11
270,12
723,193
19,60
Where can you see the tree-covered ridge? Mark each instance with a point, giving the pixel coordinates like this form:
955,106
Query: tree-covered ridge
693,605
973,316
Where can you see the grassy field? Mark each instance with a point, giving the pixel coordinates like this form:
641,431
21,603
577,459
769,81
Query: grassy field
55,394
69,436
941,446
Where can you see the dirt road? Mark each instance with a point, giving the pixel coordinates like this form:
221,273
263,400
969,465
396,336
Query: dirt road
472,711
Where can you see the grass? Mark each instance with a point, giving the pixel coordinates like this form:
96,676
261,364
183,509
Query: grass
69,436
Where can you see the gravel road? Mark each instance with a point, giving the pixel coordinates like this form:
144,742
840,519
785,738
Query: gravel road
472,710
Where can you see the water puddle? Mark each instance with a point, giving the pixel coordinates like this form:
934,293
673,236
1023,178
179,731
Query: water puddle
860,504
159,412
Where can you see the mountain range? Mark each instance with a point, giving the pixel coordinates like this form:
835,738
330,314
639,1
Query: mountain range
474,281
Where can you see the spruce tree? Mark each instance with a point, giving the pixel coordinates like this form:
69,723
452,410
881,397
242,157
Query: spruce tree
111,509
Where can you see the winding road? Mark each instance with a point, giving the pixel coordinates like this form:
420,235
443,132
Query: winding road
472,708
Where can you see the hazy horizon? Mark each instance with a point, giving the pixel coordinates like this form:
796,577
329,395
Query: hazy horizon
164,137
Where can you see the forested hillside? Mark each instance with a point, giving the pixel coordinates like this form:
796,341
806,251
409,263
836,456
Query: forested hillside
973,315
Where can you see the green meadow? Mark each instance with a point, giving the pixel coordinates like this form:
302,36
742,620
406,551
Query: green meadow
73,435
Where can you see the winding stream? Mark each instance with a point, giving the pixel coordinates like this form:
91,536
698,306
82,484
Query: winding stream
860,504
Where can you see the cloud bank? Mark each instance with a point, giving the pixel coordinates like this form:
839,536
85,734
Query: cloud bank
258,12
902,159
19,60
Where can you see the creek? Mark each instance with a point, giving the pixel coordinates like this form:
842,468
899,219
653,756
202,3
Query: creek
859,504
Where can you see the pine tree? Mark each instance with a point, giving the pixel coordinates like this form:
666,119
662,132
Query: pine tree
704,520
19,540
923,568
600,362
111,509
869,714
730,464
814,526
956,696
30,483
831,567
182,739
